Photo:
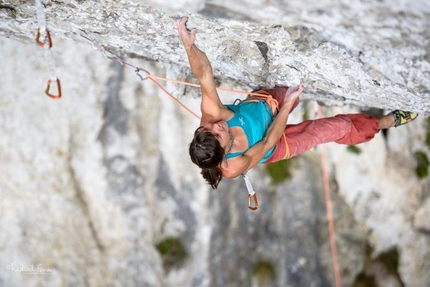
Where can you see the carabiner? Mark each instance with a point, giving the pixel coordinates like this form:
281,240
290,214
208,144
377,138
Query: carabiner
255,207
48,86
138,70
48,35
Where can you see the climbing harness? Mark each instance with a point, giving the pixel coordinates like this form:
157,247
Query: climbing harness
252,196
44,33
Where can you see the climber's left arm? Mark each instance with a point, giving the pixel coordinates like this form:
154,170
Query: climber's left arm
212,108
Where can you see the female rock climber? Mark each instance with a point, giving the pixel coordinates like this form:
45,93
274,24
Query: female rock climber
231,139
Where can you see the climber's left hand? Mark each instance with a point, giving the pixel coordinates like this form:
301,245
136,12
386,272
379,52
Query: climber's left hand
187,36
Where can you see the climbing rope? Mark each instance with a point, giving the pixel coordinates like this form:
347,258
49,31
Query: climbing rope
329,211
252,196
44,33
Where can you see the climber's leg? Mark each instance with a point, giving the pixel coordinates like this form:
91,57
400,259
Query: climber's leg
343,129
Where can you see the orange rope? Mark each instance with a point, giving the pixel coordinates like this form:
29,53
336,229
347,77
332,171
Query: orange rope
329,212
153,79
198,86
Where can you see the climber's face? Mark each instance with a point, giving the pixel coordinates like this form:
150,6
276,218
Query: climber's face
220,131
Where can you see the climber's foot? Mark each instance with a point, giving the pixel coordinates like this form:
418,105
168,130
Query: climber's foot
402,117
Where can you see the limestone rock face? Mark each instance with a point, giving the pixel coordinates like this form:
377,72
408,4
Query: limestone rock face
365,54
92,183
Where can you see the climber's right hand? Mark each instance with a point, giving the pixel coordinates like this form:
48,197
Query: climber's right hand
187,36
291,99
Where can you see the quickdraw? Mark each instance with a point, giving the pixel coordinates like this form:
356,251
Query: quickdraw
58,95
251,193
48,37
44,33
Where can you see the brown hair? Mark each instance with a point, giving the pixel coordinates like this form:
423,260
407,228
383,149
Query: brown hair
207,153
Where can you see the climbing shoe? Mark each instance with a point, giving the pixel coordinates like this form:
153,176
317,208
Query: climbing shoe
402,117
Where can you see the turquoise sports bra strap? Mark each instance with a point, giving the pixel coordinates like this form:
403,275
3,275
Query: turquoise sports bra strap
233,154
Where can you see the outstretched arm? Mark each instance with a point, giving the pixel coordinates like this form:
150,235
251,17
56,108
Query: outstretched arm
212,108
238,165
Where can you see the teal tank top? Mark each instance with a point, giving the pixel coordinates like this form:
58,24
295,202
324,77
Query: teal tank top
254,118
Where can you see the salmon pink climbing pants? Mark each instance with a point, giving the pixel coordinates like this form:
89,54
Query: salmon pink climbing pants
348,129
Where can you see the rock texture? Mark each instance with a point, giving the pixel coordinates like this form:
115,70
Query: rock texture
368,57
91,183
